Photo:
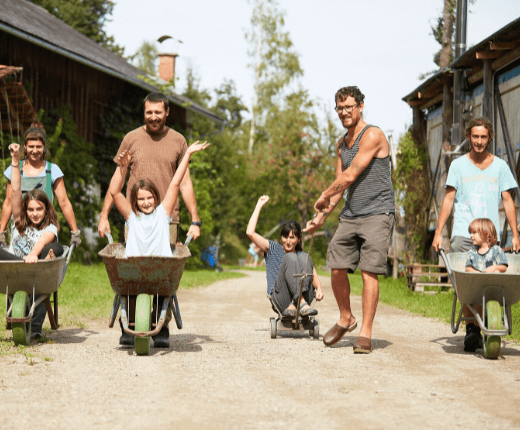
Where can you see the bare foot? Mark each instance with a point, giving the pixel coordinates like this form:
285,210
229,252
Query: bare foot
50,255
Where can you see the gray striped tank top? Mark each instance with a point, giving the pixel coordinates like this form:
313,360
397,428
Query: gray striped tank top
372,192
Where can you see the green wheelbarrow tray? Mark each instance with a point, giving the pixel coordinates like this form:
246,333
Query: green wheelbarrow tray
43,277
480,288
151,275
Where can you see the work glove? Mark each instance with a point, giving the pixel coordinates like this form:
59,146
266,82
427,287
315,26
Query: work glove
75,239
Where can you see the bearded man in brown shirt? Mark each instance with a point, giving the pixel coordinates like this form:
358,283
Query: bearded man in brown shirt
156,152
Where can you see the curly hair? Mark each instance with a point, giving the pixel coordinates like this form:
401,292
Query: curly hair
51,217
345,92
480,122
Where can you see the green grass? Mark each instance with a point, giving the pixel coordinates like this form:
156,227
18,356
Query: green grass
86,295
395,292
237,267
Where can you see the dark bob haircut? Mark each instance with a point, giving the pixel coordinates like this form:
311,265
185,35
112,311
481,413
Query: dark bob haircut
293,226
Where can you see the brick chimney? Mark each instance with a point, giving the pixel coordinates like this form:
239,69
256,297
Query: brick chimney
167,66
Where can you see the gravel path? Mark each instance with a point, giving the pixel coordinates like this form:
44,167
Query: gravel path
223,371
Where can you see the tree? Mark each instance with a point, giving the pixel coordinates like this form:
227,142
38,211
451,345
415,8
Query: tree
276,62
444,34
86,16
412,184
146,58
293,158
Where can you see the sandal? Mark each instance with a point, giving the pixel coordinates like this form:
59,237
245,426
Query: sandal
308,311
289,312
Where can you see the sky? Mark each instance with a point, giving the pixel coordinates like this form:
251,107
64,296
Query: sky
382,46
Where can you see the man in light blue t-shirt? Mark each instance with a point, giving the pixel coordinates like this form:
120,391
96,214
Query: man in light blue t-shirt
476,183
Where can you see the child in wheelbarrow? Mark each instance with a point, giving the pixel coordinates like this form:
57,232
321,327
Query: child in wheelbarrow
282,262
487,258
36,229
148,220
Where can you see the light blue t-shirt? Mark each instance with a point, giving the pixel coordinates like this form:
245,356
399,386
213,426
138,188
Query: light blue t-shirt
479,192
56,173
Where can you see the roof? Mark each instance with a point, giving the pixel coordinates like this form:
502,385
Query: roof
16,111
34,24
501,47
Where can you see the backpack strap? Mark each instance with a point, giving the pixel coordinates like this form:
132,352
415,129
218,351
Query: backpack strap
48,185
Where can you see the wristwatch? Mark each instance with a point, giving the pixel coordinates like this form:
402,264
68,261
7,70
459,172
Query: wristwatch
197,223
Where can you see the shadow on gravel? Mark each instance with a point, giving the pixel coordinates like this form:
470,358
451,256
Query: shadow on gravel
178,343
70,335
455,345
349,341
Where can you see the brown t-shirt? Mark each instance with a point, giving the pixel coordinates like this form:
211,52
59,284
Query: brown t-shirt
154,157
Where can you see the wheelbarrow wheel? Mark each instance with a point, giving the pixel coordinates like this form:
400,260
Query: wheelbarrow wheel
21,309
142,323
273,328
494,322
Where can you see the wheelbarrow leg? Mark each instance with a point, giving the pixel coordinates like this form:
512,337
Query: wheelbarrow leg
50,314
56,308
176,312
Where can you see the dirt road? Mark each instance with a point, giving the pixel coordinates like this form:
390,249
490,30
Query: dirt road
224,372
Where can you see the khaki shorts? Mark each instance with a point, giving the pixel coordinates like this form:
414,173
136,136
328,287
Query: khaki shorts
461,244
174,233
363,242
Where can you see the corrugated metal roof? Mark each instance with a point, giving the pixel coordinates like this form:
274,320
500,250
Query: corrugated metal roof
23,18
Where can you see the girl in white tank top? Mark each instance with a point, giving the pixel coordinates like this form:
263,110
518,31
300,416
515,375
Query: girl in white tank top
148,220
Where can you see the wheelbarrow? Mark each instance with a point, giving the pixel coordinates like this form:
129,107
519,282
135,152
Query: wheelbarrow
21,280
144,277
496,292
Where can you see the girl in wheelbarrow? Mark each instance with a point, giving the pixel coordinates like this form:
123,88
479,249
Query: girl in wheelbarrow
36,229
282,262
148,220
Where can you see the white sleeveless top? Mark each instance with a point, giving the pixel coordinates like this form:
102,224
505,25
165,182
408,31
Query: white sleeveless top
149,234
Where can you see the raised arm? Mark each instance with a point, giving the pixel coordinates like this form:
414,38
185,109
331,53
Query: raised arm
6,208
172,194
373,145
117,183
188,196
258,240
16,181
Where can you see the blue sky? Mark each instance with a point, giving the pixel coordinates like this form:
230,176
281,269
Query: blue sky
382,46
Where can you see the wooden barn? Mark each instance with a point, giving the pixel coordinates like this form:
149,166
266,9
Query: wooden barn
59,66
490,87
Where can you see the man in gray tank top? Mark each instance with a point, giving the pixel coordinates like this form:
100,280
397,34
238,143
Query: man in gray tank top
366,222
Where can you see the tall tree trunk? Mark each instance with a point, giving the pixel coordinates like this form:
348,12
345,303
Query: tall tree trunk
447,33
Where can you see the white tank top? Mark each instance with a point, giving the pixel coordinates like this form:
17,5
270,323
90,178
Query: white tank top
149,234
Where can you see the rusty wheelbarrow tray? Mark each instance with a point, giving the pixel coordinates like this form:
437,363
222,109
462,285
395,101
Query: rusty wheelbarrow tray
21,280
144,276
493,291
